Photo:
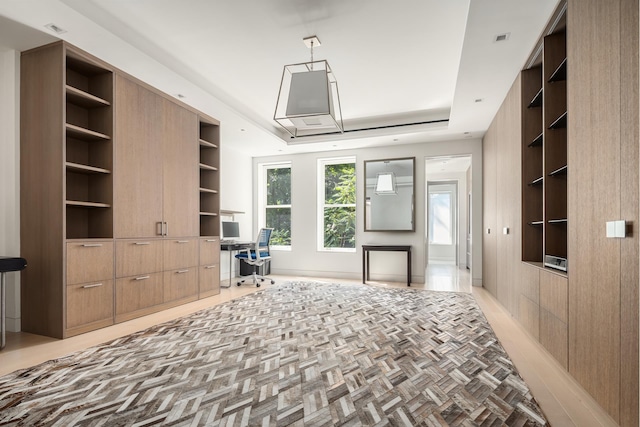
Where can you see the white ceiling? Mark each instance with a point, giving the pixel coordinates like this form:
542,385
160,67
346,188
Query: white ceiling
396,61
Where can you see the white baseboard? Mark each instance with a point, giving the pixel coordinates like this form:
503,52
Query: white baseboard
348,275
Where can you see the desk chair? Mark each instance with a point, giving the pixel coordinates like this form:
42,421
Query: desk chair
257,256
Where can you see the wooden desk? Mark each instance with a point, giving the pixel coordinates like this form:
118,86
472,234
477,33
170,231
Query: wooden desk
384,248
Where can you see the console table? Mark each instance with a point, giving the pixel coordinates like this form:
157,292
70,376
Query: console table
7,264
384,248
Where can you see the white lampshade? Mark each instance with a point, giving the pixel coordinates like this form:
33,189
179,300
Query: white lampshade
308,99
386,183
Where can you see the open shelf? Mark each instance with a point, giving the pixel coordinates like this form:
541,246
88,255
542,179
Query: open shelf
537,181
76,167
537,141
560,73
558,221
84,99
85,134
86,204
207,144
560,171
536,223
208,167
560,122
537,100
208,214
208,190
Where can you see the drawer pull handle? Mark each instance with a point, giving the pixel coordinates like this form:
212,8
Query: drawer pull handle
92,245
92,286
142,278
182,241
210,266
182,271
211,240
142,243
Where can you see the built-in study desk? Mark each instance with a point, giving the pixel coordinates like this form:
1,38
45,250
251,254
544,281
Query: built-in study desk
384,248
7,264
234,247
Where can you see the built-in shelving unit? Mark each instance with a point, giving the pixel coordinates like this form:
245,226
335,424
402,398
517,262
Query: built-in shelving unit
209,140
89,148
544,150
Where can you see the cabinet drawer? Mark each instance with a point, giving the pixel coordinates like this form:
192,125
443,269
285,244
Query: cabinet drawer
138,292
136,257
89,262
89,303
180,253
209,280
209,251
180,284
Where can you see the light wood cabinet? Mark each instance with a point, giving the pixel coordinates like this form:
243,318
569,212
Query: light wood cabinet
138,295
98,255
118,183
209,277
89,306
137,257
138,181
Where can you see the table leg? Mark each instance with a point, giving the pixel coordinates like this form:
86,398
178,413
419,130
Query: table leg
368,266
363,266
409,267
2,310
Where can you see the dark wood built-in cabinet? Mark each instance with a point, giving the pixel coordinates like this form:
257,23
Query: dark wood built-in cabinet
119,195
578,150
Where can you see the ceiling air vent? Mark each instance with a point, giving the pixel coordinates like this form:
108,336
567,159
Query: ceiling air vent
53,27
502,37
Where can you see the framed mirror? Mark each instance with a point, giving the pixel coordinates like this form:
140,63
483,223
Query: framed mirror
389,194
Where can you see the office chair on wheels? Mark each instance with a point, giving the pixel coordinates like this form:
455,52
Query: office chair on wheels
257,257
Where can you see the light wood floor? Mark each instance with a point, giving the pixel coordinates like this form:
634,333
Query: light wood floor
563,401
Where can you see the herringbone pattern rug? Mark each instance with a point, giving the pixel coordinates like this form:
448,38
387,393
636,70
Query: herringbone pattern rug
300,354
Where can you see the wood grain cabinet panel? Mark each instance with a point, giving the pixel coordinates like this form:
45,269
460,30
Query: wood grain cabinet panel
134,257
139,158
89,261
554,294
209,280
209,251
90,304
529,316
136,294
554,336
180,253
181,284
181,194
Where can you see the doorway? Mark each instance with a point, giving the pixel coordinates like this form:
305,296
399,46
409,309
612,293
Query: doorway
448,205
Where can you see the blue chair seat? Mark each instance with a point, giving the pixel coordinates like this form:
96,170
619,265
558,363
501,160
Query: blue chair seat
243,255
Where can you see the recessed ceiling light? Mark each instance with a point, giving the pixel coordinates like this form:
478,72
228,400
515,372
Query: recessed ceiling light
395,140
242,129
478,100
56,29
502,37
466,133
180,96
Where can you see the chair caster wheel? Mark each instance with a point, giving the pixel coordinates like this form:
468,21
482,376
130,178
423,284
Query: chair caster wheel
257,285
273,282
239,283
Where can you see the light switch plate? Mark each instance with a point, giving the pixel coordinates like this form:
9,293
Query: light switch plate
616,229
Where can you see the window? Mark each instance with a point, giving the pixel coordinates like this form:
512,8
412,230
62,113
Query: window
337,204
275,201
440,218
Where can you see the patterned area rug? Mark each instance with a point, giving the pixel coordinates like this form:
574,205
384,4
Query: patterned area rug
300,354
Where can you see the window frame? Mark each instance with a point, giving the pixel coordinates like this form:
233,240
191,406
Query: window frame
262,198
321,206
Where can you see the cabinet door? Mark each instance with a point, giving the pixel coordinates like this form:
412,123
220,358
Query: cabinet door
90,305
139,160
180,171
181,284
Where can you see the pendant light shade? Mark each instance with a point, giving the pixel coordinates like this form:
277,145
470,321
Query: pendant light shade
386,183
308,100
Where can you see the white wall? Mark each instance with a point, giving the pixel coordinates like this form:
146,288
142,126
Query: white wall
305,260
10,177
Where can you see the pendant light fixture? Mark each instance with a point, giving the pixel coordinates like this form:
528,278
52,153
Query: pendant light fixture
386,182
308,100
